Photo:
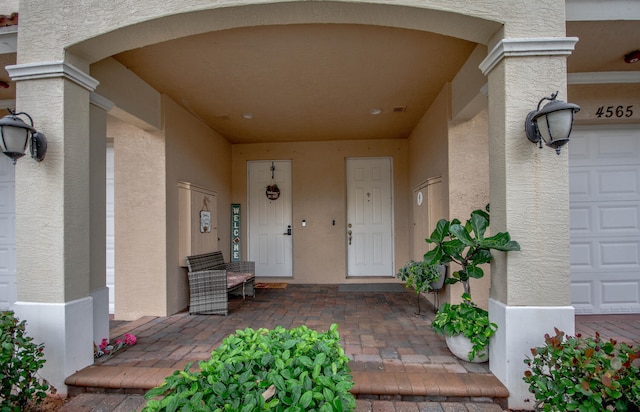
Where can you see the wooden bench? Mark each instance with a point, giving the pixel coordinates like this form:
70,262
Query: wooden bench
211,280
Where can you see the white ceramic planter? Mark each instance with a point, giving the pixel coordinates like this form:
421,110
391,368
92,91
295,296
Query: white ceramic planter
460,346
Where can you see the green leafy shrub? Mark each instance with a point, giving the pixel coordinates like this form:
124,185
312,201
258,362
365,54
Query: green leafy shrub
467,319
253,370
419,276
584,374
20,360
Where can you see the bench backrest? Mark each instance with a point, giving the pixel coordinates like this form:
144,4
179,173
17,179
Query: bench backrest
206,261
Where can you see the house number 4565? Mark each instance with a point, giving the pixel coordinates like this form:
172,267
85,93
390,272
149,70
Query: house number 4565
615,111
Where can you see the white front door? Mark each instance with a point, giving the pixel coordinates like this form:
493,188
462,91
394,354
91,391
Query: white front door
270,227
369,217
604,177
8,294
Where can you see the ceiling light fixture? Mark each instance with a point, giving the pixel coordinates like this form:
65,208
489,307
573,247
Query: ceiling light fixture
375,111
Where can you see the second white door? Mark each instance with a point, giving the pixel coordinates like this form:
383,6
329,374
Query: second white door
270,232
369,217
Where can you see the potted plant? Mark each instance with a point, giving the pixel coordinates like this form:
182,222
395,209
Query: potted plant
467,246
421,277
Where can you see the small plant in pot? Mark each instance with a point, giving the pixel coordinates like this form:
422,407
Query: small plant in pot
467,246
420,276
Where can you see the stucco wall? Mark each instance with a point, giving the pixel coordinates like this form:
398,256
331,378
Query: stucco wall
469,187
9,6
197,155
51,25
460,154
319,197
592,96
140,214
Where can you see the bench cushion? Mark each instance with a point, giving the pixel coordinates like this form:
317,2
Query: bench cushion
234,278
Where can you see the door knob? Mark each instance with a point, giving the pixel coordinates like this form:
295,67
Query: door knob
350,233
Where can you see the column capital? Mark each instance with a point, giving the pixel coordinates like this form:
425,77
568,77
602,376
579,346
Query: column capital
540,46
45,70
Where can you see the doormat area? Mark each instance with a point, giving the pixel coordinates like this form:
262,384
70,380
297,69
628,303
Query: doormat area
372,287
260,285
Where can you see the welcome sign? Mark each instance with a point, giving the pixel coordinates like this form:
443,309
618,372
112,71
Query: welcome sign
236,250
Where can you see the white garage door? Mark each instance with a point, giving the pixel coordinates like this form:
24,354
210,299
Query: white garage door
7,234
604,170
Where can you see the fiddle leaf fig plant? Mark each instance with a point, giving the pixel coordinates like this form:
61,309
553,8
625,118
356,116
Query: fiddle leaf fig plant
467,246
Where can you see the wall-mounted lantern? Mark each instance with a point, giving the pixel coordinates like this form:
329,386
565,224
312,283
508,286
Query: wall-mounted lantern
551,124
16,134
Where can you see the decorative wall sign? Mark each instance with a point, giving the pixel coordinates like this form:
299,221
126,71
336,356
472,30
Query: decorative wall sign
236,251
273,192
205,221
205,217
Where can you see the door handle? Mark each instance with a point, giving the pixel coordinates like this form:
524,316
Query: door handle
350,233
288,232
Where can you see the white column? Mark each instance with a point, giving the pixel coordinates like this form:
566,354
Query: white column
53,245
98,162
530,289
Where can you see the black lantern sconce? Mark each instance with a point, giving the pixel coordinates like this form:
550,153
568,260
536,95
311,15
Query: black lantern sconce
551,124
16,134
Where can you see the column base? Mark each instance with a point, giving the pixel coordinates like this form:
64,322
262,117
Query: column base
66,329
521,328
100,314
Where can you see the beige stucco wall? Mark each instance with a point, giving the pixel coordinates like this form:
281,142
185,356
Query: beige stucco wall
139,216
522,179
459,152
60,205
319,197
159,20
592,96
9,6
197,155
469,187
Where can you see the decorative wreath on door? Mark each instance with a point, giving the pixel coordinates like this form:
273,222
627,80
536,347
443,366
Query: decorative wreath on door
273,192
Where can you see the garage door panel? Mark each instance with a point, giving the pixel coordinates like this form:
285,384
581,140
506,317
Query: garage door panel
604,147
619,218
620,254
580,184
618,183
604,173
581,256
620,292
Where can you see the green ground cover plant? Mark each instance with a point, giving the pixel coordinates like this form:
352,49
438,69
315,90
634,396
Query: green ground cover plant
584,374
296,369
20,360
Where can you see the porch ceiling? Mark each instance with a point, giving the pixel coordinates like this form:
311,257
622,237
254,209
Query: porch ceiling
308,82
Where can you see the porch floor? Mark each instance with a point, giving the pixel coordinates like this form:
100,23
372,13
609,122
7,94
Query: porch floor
397,361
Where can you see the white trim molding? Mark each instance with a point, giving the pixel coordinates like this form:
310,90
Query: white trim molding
542,46
66,329
521,328
101,101
603,78
45,70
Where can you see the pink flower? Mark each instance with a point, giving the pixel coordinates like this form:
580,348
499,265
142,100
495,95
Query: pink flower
104,344
129,339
